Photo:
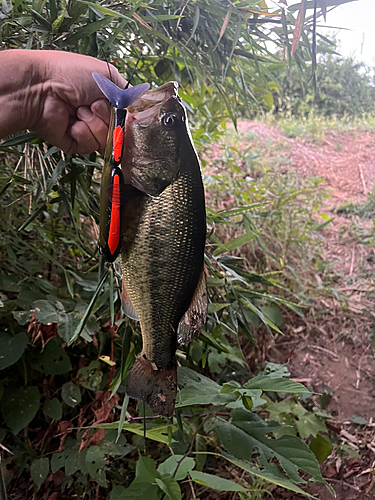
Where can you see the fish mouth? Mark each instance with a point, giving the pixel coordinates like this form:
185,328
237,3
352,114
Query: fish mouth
147,108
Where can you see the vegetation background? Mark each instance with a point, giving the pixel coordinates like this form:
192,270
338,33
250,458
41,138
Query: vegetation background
241,428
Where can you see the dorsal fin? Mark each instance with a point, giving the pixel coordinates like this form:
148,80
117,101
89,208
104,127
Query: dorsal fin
119,98
192,322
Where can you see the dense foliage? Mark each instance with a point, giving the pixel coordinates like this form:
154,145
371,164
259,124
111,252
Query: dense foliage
344,86
66,350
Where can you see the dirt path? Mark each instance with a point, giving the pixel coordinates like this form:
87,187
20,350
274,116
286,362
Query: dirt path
346,161
333,353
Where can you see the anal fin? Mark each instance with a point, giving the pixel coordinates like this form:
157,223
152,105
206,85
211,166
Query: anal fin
193,321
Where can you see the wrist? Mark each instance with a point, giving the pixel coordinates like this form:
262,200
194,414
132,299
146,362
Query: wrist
21,90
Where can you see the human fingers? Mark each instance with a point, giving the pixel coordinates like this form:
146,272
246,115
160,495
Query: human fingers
94,118
84,140
102,109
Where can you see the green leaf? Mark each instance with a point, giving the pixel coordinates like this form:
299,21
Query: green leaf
266,383
117,492
52,408
170,487
274,477
309,424
140,491
22,317
45,312
273,313
89,309
105,10
321,446
39,470
122,416
215,482
182,463
11,348
9,283
292,413
213,308
248,431
71,460
20,139
235,243
355,419
199,390
268,99
94,460
33,216
53,360
145,471
71,394
87,30
158,433
161,17
43,23
62,459
19,407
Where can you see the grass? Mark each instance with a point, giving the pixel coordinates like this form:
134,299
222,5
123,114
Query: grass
289,217
315,127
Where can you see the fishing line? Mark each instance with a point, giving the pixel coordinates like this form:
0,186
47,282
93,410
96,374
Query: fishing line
133,72
108,66
144,426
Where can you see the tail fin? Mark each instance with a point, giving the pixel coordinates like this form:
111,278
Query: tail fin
119,98
157,388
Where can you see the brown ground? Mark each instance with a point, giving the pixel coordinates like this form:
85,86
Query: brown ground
333,349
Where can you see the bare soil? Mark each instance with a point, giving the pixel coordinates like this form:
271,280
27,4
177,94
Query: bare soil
331,351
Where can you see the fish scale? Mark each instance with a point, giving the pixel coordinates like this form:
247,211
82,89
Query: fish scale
162,270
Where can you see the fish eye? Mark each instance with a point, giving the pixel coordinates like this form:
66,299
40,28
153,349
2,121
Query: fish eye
170,120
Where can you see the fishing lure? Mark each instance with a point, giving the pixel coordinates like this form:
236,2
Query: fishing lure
112,184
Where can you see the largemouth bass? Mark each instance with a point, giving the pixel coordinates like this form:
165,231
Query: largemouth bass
163,241
158,212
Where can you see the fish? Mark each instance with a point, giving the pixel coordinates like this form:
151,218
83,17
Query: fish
163,241
157,210
112,182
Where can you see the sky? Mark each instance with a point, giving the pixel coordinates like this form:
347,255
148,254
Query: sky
359,38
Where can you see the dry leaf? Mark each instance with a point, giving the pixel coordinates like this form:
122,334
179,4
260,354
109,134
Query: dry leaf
141,21
298,27
224,26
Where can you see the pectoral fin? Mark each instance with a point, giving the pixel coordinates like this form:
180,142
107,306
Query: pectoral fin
193,321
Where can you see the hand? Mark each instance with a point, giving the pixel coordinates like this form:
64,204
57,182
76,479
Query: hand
75,114
62,102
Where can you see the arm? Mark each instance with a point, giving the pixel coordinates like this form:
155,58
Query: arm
53,93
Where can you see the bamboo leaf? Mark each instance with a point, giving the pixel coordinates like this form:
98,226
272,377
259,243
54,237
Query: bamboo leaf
235,243
298,26
89,309
223,28
33,216
141,21
215,482
195,25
